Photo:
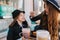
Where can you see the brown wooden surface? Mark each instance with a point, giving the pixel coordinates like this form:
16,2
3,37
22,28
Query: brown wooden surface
34,33
29,39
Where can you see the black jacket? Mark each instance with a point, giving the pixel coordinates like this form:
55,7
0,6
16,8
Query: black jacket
15,30
44,20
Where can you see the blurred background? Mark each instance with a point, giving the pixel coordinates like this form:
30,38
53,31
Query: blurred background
7,6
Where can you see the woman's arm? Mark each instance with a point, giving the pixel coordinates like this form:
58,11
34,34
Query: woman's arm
38,17
10,34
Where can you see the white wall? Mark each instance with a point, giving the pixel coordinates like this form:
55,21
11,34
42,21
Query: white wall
20,4
38,6
36,2
28,6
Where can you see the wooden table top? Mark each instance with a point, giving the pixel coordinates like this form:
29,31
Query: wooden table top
29,39
34,33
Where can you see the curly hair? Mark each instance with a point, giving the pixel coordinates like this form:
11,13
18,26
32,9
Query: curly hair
52,21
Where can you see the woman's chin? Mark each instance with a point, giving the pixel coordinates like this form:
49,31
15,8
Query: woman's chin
23,20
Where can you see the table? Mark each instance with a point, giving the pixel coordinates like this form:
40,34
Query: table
29,39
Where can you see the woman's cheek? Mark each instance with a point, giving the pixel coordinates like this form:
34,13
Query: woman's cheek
22,19
58,18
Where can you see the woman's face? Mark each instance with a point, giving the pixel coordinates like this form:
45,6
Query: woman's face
21,17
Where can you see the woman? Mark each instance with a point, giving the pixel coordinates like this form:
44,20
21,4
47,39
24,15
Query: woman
43,21
16,26
53,9
43,17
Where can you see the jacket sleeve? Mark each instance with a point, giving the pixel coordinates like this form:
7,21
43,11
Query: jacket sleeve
38,17
10,34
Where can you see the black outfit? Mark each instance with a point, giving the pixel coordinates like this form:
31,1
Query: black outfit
1,17
44,21
15,30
